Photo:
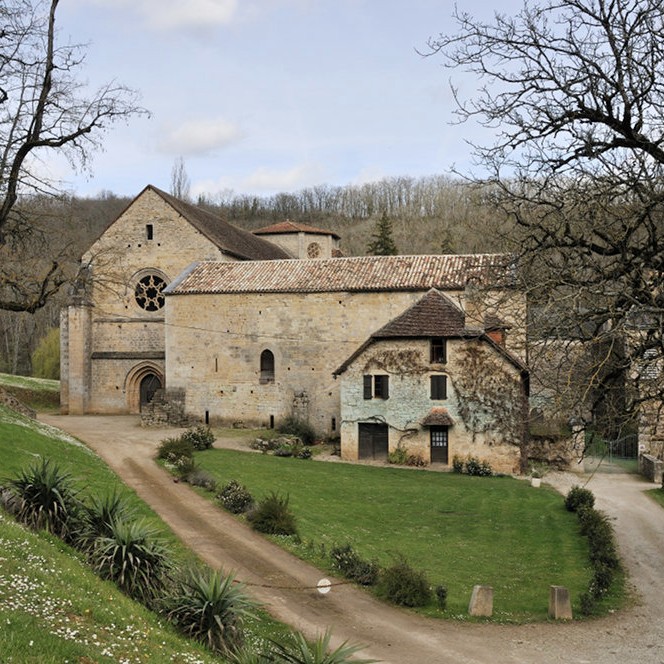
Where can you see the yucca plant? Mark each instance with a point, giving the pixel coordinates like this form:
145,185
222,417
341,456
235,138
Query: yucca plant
211,608
97,518
133,556
297,650
43,497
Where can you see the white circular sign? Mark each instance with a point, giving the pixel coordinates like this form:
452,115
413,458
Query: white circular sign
324,586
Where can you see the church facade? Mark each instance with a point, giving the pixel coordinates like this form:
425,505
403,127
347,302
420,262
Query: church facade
253,327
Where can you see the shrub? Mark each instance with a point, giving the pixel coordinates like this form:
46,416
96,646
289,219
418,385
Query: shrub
578,497
43,497
403,585
474,466
294,426
172,450
201,478
398,456
98,516
297,650
441,597
304,453
200,437
273,516
347,561
134,558
210,608
264,445
457,464
235,497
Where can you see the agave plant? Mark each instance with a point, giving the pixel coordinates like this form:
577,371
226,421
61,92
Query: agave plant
43,497
210,608
297,650
98,516
133,556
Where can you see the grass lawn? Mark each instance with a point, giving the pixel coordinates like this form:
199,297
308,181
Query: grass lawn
657,495
460,530
51,604
41,394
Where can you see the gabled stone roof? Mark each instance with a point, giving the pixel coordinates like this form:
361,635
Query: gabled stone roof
230,239
434,315
358,274
289,226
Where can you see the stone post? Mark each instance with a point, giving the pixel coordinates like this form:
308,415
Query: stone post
560,606
481,601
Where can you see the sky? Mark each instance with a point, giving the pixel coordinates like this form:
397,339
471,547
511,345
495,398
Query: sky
265,96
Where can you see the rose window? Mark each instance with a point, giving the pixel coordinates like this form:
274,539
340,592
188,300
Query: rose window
148,292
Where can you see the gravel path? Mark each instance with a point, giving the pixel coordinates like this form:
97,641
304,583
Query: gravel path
286,585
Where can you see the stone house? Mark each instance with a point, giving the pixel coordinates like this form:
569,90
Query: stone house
256,342
429,384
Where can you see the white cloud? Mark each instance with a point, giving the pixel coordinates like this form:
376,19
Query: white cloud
199,137
263,181
172,14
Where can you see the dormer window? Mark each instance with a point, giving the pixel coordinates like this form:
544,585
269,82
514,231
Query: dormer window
149,231
438,351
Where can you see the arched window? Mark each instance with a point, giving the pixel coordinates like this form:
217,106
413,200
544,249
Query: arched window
267,367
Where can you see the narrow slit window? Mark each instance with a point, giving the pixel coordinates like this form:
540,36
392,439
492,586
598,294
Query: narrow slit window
149,231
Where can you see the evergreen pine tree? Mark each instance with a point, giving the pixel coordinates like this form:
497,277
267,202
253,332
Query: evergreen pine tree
382,243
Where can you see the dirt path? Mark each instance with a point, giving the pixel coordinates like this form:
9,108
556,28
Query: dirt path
286,585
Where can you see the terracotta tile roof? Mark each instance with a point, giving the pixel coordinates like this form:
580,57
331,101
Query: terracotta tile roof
438,417
432,316
358,274
289,226
230,239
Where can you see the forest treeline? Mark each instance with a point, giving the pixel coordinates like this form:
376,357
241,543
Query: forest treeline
429,215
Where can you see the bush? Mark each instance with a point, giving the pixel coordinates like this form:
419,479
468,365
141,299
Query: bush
43,497
347,561
201,478
134,558
441,597
578,497
172,450
296,427
478,468
210,608
200,437
457,464
403,585
235,497
272,516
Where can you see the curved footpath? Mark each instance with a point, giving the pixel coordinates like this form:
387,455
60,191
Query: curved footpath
286,585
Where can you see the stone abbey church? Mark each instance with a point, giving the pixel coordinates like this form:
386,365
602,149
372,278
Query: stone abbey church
175,306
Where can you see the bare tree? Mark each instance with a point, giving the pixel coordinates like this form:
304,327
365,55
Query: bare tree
180,182
43,108
575,89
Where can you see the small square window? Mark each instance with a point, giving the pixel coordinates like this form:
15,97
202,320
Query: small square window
376,387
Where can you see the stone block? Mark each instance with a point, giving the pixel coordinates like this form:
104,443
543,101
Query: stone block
560,605
481,601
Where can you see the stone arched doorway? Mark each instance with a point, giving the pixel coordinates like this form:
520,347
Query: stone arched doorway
150,383
141,384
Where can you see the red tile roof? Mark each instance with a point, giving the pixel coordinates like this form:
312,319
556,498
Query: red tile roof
358,274
289,226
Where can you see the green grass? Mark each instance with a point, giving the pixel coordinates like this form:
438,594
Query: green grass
657,495
65,587
42,394
54,609
460,530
